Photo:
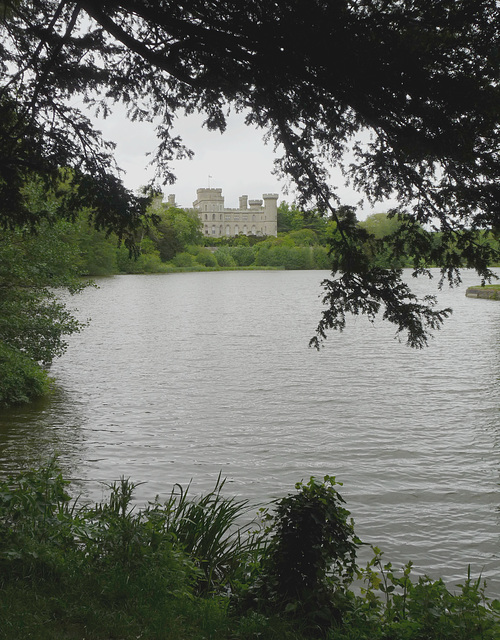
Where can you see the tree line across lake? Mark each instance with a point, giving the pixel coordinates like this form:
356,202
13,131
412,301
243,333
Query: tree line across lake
33,322
411,115
416,101
171,240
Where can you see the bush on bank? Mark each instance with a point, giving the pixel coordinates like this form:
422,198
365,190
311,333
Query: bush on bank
22,379
187,568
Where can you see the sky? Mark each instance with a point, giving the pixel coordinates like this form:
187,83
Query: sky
237,161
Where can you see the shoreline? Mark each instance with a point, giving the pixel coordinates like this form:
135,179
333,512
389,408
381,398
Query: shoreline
488,292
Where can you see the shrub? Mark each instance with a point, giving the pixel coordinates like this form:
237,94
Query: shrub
224,257
263,252
194,249
304,237
183,259
392,606
321,258
244,256
297,258
148,261
22,379
151,262
171,571
206,258
311,556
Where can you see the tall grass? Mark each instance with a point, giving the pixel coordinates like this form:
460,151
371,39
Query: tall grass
198,568
206,529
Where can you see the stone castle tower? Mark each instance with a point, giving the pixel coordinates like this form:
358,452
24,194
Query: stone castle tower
253,217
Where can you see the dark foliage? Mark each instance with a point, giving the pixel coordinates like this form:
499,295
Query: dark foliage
311,556
411,86
179,570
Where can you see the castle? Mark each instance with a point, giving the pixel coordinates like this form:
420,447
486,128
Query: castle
252,218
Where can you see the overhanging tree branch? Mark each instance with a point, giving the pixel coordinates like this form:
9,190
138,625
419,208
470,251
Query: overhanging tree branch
421,76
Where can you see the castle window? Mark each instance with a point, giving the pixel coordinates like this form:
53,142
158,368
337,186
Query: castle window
228,230
213,230
227,216
236,217
206,217
213,216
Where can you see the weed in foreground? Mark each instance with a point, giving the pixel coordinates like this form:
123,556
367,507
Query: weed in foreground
187,569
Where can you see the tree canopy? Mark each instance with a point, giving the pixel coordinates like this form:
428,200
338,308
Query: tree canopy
410,87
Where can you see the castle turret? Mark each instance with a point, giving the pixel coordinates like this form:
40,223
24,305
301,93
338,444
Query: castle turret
209,200
255,217
271,210
255,204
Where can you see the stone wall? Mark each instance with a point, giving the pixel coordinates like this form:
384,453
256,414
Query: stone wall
483,292
253,217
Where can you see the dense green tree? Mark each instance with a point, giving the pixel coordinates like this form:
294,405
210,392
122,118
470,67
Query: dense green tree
97,249
174,229
183,259
242,255
380,225
146,260
290,218
224,257
411,87
36,264
283,252
33,322
241,240
381,230
321,258
206,258
304,238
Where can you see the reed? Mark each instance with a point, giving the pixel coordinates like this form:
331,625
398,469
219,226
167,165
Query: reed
200,569
209,529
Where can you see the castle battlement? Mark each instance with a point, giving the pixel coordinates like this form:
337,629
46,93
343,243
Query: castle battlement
253,217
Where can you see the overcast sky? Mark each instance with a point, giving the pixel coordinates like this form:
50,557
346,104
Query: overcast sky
238,161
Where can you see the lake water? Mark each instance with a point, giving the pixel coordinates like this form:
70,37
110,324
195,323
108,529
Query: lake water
179,377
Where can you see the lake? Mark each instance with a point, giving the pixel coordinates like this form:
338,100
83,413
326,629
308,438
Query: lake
179,377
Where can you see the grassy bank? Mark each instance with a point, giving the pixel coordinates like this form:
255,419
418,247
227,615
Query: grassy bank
167,268
185,569
488,291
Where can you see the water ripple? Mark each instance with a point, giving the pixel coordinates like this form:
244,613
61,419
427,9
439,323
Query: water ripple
182,376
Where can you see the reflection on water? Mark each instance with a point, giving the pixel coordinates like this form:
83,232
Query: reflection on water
181,376
34,433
